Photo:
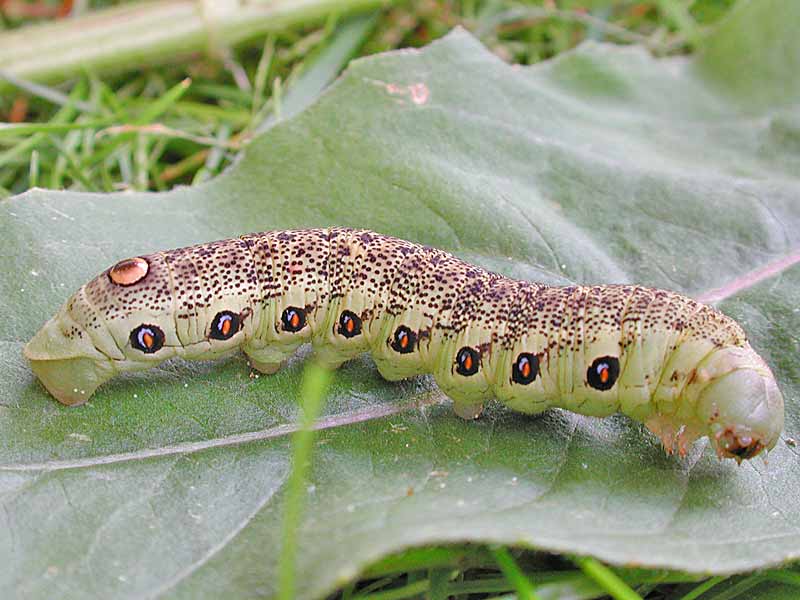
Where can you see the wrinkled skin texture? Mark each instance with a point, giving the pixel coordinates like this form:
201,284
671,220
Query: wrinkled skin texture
681,367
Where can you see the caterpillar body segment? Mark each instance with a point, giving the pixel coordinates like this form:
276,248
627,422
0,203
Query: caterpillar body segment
682,368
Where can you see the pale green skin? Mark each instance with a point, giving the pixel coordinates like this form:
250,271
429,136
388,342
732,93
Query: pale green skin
686,370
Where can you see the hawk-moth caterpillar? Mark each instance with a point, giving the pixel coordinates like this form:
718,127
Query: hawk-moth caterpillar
682,368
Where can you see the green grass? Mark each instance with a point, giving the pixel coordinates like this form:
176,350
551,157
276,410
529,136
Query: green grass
154,128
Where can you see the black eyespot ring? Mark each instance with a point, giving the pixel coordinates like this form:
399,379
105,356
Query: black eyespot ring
404,340
525,369
225,325
349,324
293,319
603,373
147,338
467,361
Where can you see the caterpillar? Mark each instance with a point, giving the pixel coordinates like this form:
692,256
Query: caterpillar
682,368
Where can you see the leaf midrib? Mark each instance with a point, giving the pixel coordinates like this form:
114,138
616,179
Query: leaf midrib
330,422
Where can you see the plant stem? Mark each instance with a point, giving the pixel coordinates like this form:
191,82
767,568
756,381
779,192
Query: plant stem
135,34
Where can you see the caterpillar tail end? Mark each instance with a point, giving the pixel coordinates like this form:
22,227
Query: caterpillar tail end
741,404
66,362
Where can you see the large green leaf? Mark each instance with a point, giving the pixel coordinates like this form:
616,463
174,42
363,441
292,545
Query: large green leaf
602,165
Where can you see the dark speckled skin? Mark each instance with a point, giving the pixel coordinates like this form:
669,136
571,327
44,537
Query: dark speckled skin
685,369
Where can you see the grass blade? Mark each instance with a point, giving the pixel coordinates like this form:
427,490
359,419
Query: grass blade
324,67
315,383
703,588
514,574
607,579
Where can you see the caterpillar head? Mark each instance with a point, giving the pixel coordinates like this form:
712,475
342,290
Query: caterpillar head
119,321
66,361
740,402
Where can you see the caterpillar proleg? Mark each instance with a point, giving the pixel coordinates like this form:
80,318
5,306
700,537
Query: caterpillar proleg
682,368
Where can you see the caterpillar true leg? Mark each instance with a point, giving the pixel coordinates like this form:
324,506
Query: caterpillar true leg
682,368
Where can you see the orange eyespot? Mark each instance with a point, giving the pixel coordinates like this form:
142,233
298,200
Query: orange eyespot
349,324
525,368
225,325
467,361
603,373
404,340
147,339
128,271
293,319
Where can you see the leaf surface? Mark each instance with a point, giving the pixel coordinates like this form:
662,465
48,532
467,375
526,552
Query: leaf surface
603,165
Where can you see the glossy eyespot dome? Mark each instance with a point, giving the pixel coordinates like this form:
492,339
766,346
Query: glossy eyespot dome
129,271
